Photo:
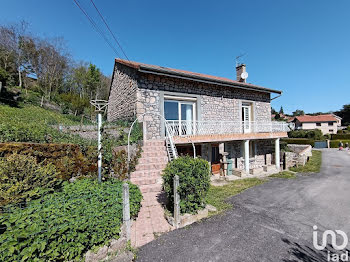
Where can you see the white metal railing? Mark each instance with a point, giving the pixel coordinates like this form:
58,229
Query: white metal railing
188,128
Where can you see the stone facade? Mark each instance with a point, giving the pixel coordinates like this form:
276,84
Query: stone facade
122,97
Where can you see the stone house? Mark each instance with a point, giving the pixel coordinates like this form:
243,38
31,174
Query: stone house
328,123
220,119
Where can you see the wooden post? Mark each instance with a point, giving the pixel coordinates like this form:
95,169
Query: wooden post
126,210
176,202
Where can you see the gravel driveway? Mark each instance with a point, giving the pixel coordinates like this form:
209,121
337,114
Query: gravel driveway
270,222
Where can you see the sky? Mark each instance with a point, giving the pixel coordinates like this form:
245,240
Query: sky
297,46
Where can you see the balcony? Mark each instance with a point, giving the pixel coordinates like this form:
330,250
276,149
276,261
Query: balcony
209,131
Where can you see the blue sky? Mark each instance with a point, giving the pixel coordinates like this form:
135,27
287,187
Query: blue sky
297,46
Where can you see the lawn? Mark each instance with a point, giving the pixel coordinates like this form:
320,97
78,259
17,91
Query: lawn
284,174
312,166
218,194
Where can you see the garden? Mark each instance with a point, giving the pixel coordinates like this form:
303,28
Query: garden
51,206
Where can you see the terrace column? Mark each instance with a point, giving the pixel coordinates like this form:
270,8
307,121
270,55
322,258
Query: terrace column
246,156
277,153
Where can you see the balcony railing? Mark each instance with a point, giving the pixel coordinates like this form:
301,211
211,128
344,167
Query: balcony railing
189,128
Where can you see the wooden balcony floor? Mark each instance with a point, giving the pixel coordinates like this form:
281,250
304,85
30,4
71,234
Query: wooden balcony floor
226,137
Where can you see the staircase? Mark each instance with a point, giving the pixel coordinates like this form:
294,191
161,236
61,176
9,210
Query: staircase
147,176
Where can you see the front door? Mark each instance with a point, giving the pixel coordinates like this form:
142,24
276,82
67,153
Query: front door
246,118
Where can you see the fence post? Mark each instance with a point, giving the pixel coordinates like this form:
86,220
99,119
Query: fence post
176,202
126,210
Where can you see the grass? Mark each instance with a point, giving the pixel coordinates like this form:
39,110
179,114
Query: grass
312,166
218,194
284,174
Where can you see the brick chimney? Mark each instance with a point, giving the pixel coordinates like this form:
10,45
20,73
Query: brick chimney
240,68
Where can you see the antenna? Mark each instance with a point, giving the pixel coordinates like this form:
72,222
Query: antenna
238,58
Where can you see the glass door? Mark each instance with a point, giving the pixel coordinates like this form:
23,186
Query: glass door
246,118
180,116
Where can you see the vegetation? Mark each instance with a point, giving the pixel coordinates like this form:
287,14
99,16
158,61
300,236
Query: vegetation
340,136
315,134
45,66
298,113
312,166
218,195
299,141
284,174
22,178
335,143
194,177
344,113
64,225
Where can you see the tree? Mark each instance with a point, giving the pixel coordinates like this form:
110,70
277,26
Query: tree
273,111
281,111
344,113
92,81
298,113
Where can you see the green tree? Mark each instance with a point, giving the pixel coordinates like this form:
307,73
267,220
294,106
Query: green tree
92,81
344,113
298,113
281,111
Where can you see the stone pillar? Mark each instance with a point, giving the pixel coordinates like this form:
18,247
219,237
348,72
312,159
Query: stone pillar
246,156
277,153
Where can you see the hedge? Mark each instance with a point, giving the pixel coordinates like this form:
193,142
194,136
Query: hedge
69,160
299,141
340,136
63,226
194,177
335,143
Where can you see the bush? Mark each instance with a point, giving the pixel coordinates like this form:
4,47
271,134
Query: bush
315,134
194,176
340,136
21,178
64,225
69,160
335,143
299,141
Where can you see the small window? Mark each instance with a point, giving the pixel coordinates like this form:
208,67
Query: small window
331,131
318,124
330,123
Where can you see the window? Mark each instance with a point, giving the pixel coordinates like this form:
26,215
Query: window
318,124
331,131
330,123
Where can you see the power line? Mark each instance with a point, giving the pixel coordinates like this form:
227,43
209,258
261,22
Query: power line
97,28
104,21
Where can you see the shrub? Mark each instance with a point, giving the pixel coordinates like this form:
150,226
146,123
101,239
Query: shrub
315,134
335,143
21,178
69,160
340,136
64,225
194,176
299,141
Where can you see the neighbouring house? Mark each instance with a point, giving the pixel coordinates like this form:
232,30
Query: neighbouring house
328,123
193,113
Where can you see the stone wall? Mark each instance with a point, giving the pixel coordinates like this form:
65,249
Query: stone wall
215,102
122,98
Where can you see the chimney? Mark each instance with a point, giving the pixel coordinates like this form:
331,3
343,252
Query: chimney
241,68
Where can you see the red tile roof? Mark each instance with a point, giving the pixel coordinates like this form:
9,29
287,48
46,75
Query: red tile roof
319,118
138,65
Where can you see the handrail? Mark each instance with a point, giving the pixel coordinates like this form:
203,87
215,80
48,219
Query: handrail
189,128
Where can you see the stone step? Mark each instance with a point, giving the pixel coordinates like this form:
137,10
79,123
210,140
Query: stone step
154,143
155,154
151,188
146,181
150,160
146,173
150,166
154,149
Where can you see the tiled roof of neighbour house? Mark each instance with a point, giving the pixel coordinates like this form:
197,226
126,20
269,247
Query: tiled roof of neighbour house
146,68
319,118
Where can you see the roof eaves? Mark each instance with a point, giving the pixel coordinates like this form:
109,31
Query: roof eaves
171,73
